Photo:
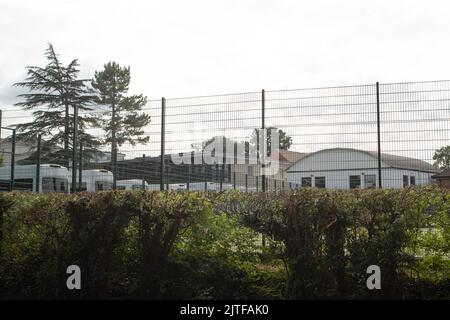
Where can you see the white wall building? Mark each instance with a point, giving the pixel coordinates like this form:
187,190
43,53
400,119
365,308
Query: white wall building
342,168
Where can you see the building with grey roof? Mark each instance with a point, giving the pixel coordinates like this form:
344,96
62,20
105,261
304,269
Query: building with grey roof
345,168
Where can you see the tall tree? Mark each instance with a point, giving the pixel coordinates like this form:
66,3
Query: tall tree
123,120
55,90
442,157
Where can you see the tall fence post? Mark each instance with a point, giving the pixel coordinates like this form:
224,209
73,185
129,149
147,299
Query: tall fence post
13,159
38,164
74,148
80,168
191,162
163,144
379,136
143,171
263,151
1,212
188,184
114,165
222,167
263,143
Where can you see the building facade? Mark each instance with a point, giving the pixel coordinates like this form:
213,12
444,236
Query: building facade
442,179
344,168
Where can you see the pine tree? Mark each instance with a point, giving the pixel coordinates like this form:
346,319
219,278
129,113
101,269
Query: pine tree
54,90
123,120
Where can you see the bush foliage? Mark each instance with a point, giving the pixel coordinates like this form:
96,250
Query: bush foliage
302,244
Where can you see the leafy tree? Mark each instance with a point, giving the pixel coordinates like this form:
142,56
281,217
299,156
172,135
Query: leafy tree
285,140
442,157
123,120
53,91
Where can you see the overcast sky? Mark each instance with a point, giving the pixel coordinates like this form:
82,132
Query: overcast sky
200,47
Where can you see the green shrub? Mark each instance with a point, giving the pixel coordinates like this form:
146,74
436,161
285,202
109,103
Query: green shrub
332,236
163,245
120,240
216,258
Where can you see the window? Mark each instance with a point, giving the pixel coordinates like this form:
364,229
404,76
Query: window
102,185
62,185
250,170
370,181
306,182
355,182
405,181
23,184
4,185
48,185
412,181
137,187
54,184
121,187
320,182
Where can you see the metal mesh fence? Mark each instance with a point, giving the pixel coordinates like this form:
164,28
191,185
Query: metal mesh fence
389,135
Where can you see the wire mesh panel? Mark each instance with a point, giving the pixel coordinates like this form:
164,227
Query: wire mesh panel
415,130
137,163
206,138
389,135
6,158
328,137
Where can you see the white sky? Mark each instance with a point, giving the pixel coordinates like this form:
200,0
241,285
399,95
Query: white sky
200,47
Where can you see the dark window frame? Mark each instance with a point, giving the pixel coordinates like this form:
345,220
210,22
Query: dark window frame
102,183
405,181
352,180
25,184
307,179
373,184
320,184
57,184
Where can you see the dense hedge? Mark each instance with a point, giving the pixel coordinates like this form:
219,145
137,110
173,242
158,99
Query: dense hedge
166,245
331,237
